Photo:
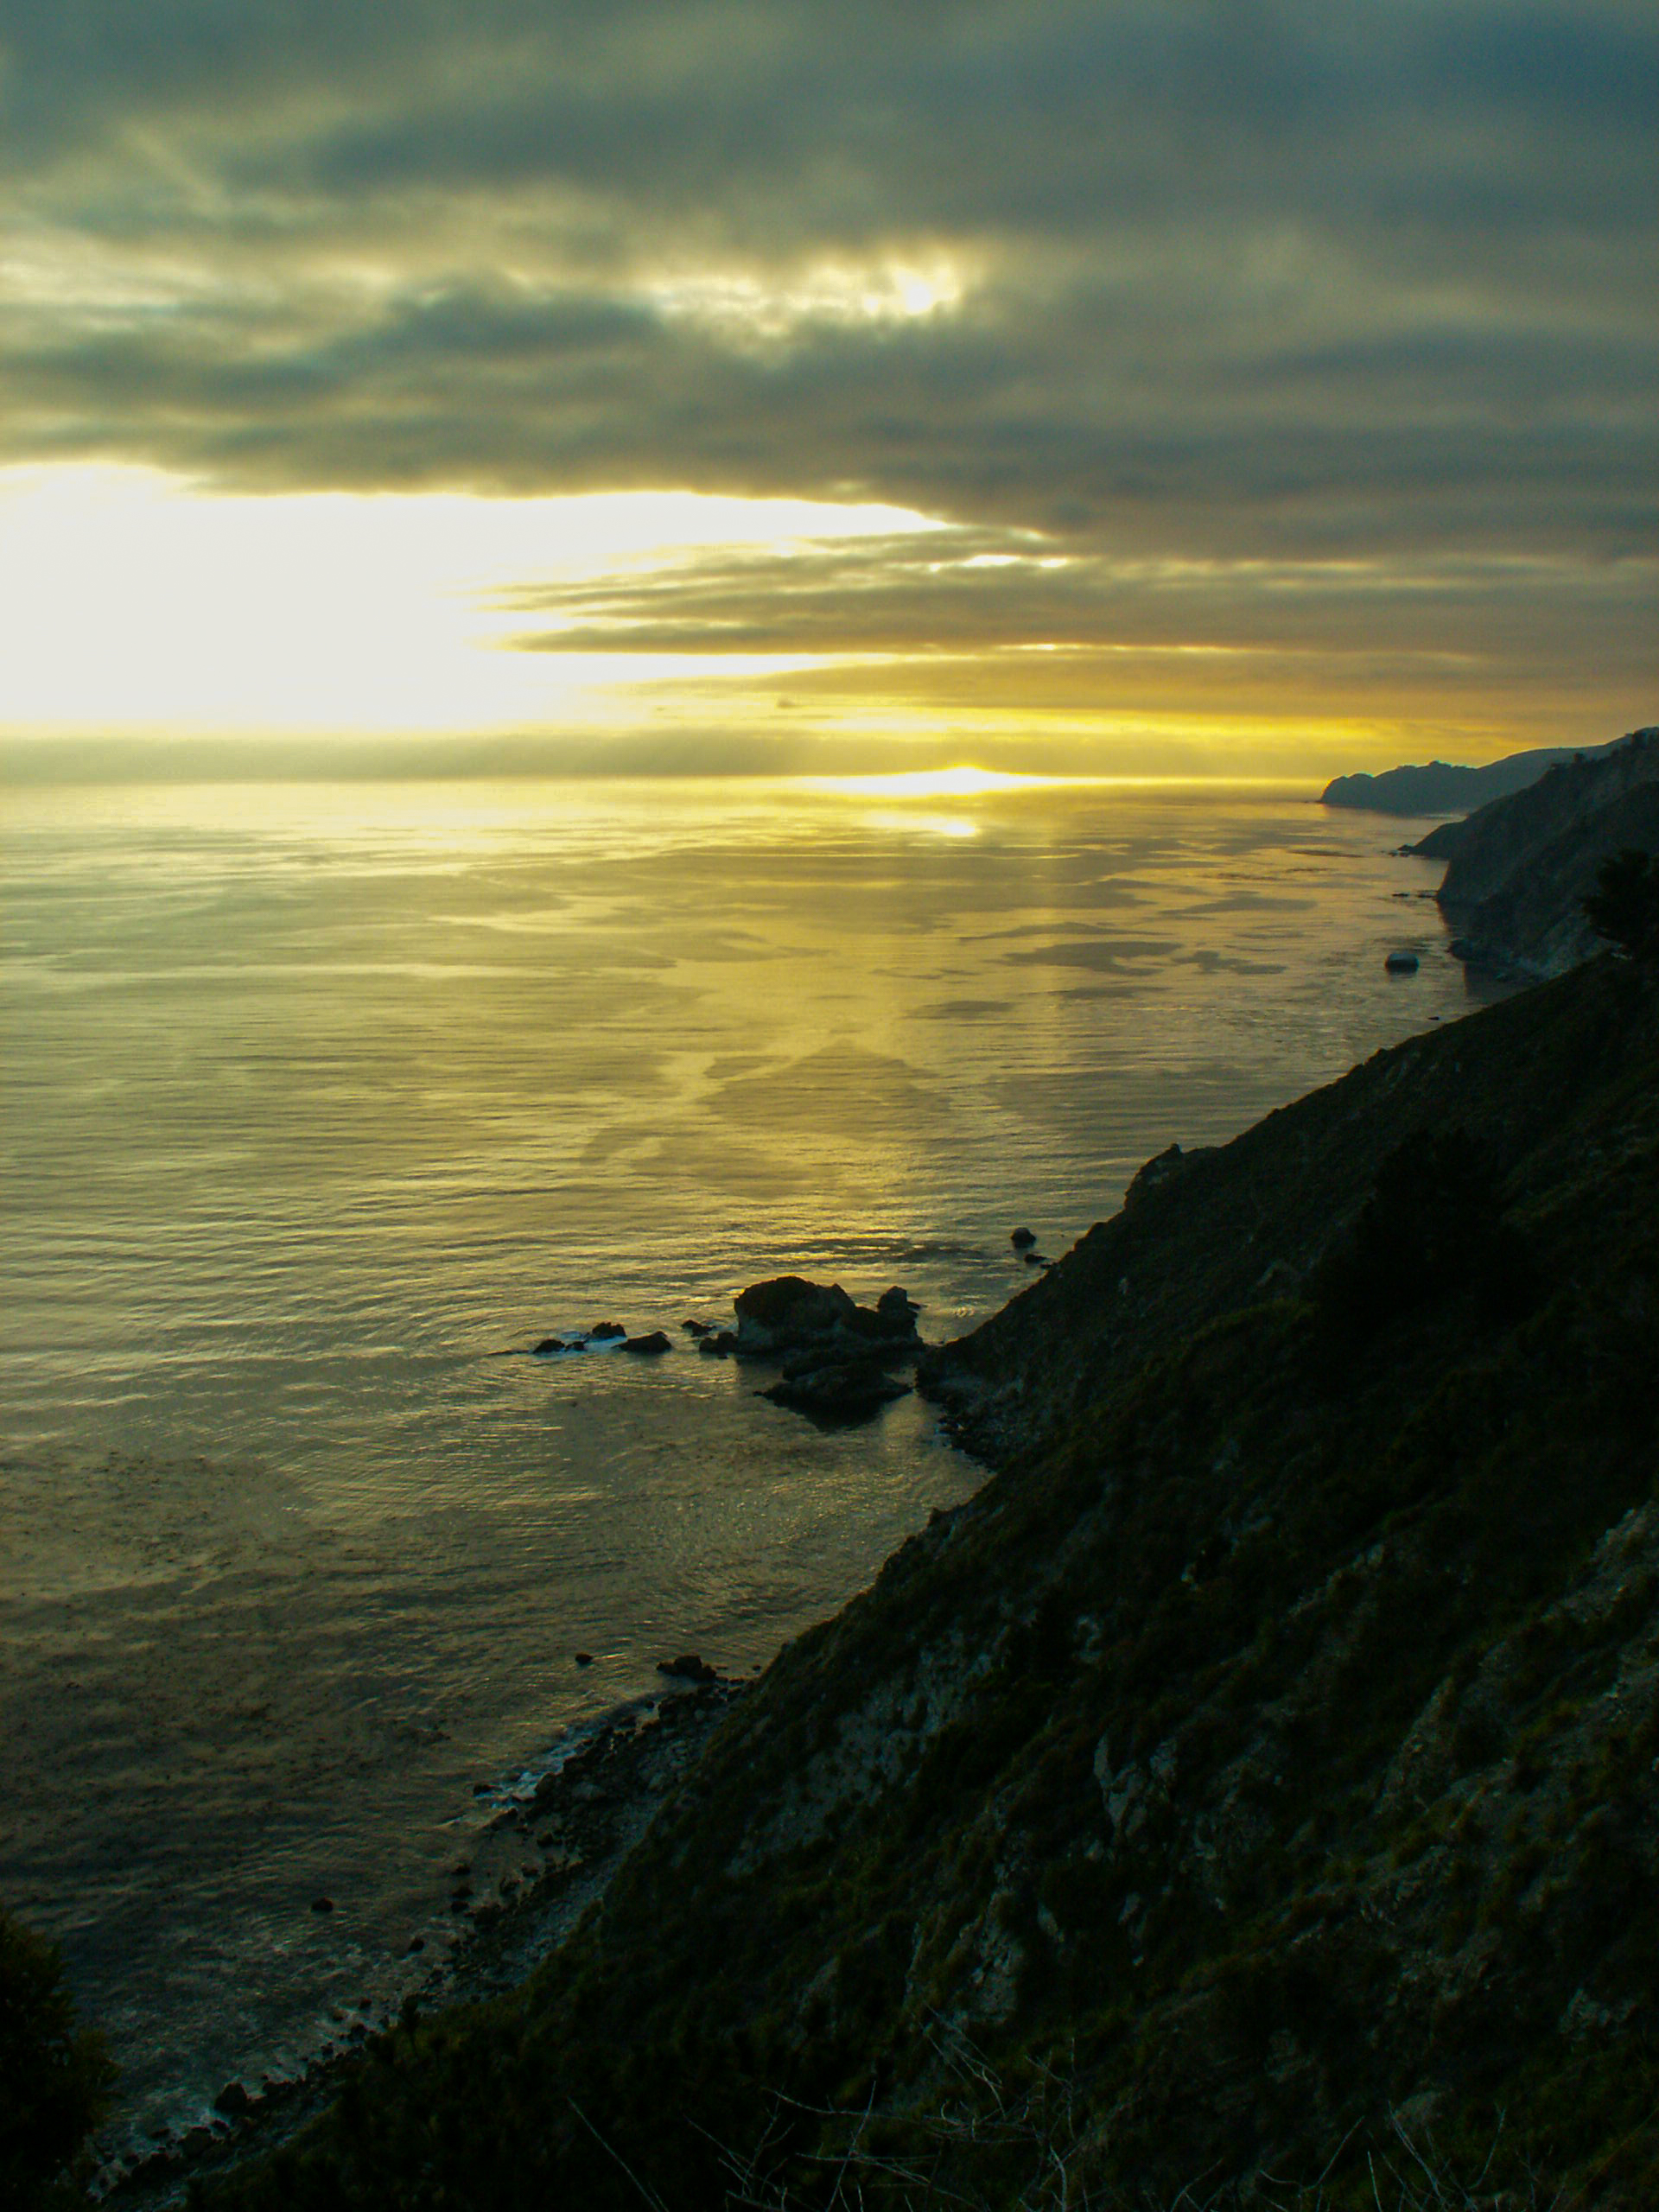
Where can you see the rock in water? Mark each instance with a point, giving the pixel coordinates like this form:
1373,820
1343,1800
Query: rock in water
605,1331
689,1668
790,1314
788,1311
1402,963
838,1394
1023,1239
655,1341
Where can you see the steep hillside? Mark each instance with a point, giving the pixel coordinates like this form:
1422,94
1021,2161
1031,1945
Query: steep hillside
1441,788
1518,870
1261,1769
1202,1233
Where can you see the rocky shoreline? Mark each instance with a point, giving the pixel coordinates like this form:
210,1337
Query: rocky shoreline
546,1853
552,1837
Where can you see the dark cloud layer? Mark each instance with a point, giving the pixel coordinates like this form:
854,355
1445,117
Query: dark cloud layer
1228,283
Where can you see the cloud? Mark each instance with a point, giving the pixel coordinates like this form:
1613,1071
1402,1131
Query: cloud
1255,283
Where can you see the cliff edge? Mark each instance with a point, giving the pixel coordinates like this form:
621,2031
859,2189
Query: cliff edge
1518,871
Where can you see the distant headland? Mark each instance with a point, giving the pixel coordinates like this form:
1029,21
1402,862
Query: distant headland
1441,788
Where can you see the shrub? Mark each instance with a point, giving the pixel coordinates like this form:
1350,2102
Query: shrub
54,2078
1624,908
1431,1226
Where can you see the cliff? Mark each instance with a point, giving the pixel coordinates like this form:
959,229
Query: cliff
1519,869
1258,1774
1441,788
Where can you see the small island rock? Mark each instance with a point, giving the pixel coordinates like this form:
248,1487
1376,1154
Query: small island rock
837,1395
790,1314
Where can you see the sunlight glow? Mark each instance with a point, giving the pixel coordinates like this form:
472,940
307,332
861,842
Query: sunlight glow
130,602
741,304
964,782
926,825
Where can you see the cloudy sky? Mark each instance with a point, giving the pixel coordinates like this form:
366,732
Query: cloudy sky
1209,384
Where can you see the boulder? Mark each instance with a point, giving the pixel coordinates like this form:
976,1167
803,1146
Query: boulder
719,1347
790,1315
838,1394
605,1331
550,1346
1023,1239
689,1668
655,1341
698,1328
789,1310
1402,963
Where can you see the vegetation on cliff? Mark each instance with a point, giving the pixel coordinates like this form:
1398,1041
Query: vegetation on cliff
1258,1773
54,2076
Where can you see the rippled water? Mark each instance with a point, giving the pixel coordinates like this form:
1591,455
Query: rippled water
319,1099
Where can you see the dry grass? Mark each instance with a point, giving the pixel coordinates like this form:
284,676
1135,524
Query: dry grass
1045,2157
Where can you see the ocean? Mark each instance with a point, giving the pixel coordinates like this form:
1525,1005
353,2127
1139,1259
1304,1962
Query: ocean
323,1104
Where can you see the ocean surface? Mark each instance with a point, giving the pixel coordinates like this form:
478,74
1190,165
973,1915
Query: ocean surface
322,1102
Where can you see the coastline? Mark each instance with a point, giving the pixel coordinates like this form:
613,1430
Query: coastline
1008,1783
549,1845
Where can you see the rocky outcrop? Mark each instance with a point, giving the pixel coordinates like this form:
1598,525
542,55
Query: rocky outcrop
837,1356
1518,871
839,1393
789,1315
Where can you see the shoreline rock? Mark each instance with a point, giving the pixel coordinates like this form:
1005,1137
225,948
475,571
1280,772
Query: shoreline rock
581,1818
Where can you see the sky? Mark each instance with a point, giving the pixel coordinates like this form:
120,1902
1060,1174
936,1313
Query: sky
1208,386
